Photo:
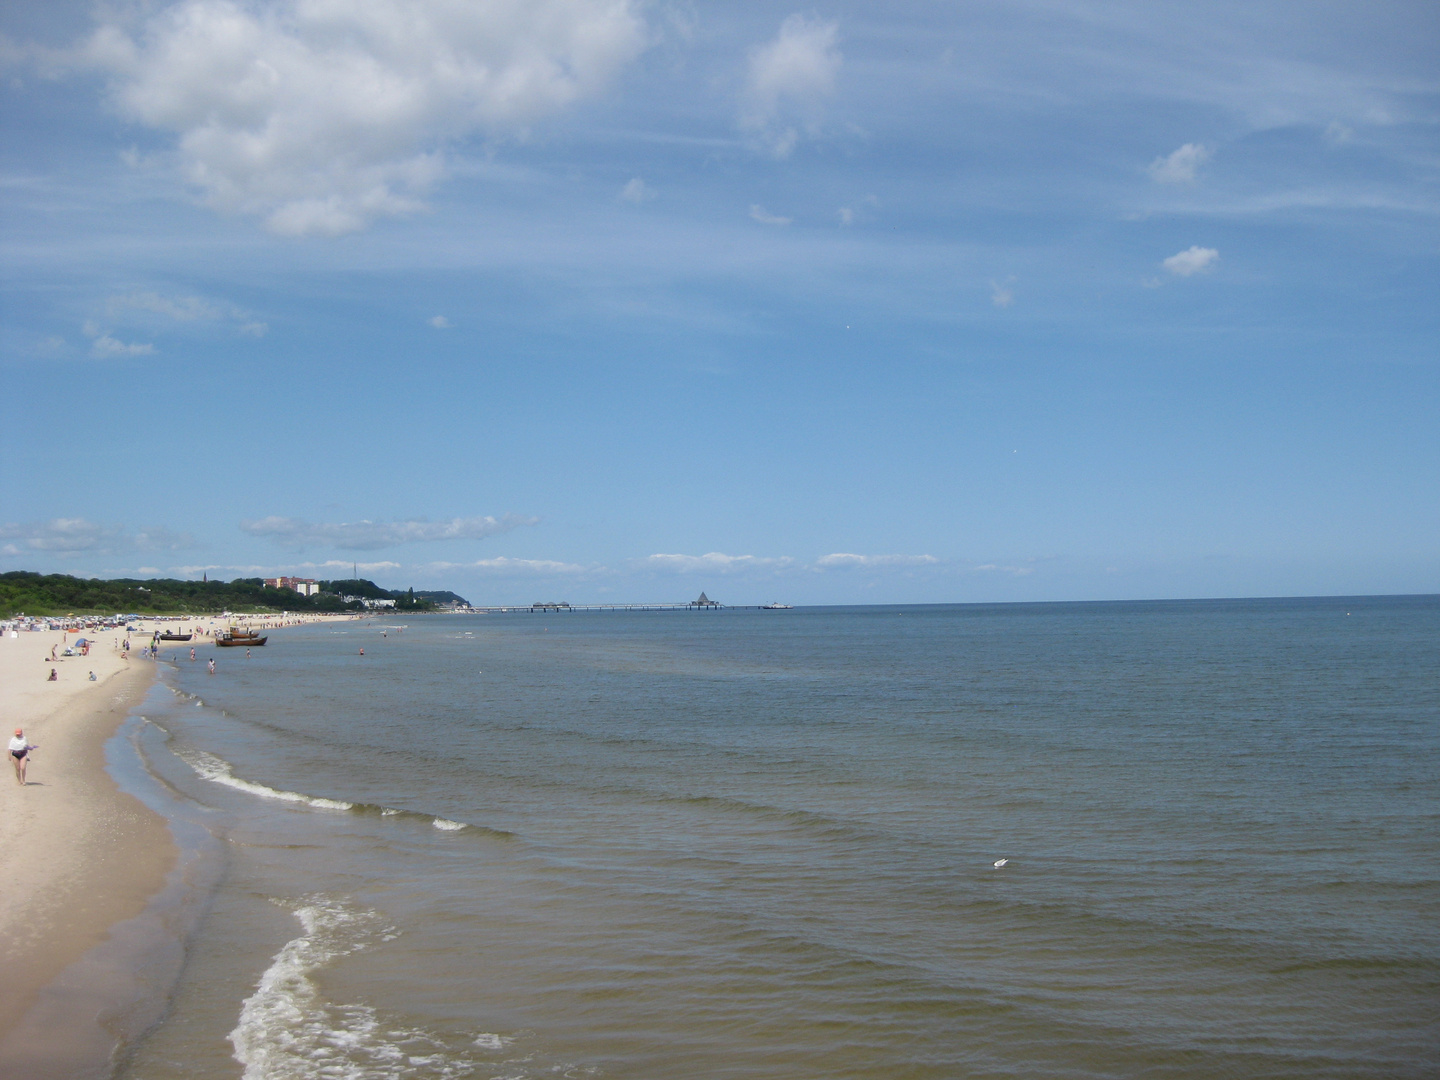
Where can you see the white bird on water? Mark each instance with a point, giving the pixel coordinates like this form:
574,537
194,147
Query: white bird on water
1000,862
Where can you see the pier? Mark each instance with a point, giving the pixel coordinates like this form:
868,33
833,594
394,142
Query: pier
560,608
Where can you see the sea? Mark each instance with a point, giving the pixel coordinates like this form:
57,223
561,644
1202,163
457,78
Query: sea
1189,839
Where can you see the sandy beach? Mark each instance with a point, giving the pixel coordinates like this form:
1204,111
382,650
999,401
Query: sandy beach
81,856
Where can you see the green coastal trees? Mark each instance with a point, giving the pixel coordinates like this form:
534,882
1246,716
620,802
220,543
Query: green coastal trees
61,594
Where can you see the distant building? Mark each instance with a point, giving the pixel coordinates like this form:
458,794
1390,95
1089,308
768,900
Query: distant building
303,586
704,602
368,602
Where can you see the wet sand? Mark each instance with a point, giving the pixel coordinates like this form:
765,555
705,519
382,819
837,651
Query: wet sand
82,859
80,855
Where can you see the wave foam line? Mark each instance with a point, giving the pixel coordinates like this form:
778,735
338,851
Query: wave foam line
219,771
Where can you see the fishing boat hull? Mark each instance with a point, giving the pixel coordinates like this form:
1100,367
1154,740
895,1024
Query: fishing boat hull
231,643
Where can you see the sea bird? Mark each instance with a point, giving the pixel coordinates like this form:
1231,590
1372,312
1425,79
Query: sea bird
1000,862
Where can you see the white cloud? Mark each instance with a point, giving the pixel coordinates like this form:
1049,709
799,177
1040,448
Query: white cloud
789,81
105,347
320,115
637,191
369,535
759,213
1193,260
1180,165
712,562
847,561
64,536
255,329
847,216
1002,296
440,322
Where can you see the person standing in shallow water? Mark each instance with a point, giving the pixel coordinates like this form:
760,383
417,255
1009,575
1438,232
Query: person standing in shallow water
20,755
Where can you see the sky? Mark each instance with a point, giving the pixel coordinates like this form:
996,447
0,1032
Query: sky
616,300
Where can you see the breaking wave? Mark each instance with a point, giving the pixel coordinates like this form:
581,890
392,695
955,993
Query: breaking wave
219,771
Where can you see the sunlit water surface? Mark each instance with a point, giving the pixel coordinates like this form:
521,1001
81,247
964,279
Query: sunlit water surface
762,845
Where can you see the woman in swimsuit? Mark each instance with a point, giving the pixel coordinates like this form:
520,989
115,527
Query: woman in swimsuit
20,755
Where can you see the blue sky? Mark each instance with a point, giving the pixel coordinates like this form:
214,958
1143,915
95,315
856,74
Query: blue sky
604,299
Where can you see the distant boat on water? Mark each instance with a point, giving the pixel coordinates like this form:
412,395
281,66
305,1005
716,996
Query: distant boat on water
176,637
777,606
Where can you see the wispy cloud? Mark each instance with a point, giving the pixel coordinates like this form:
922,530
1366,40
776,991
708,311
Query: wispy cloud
184,309
712,562
440,322
789,80
997,568
1193,260
847,561
68,536
1001,294
342,567
369,535
105,347
319,118
759,213
637,191
179,308
503,566
1179,166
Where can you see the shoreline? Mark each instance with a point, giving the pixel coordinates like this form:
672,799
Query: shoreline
84,857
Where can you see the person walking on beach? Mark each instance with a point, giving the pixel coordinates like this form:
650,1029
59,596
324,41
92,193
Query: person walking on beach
212,666
192,653
20,755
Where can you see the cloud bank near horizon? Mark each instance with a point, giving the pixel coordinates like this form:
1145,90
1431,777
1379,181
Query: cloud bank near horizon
366,535
79,536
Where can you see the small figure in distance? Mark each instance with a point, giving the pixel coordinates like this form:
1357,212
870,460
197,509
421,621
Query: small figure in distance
20,755
212,666
54,676
92,676
192,652
362,652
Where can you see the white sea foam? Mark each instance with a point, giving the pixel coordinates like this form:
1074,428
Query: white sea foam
447,824
287,1029
218,771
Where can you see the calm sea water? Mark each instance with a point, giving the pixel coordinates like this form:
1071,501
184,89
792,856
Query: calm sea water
762,845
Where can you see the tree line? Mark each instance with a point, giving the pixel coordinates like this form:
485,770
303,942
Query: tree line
22,591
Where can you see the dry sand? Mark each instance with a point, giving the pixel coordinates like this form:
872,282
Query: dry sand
80,856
